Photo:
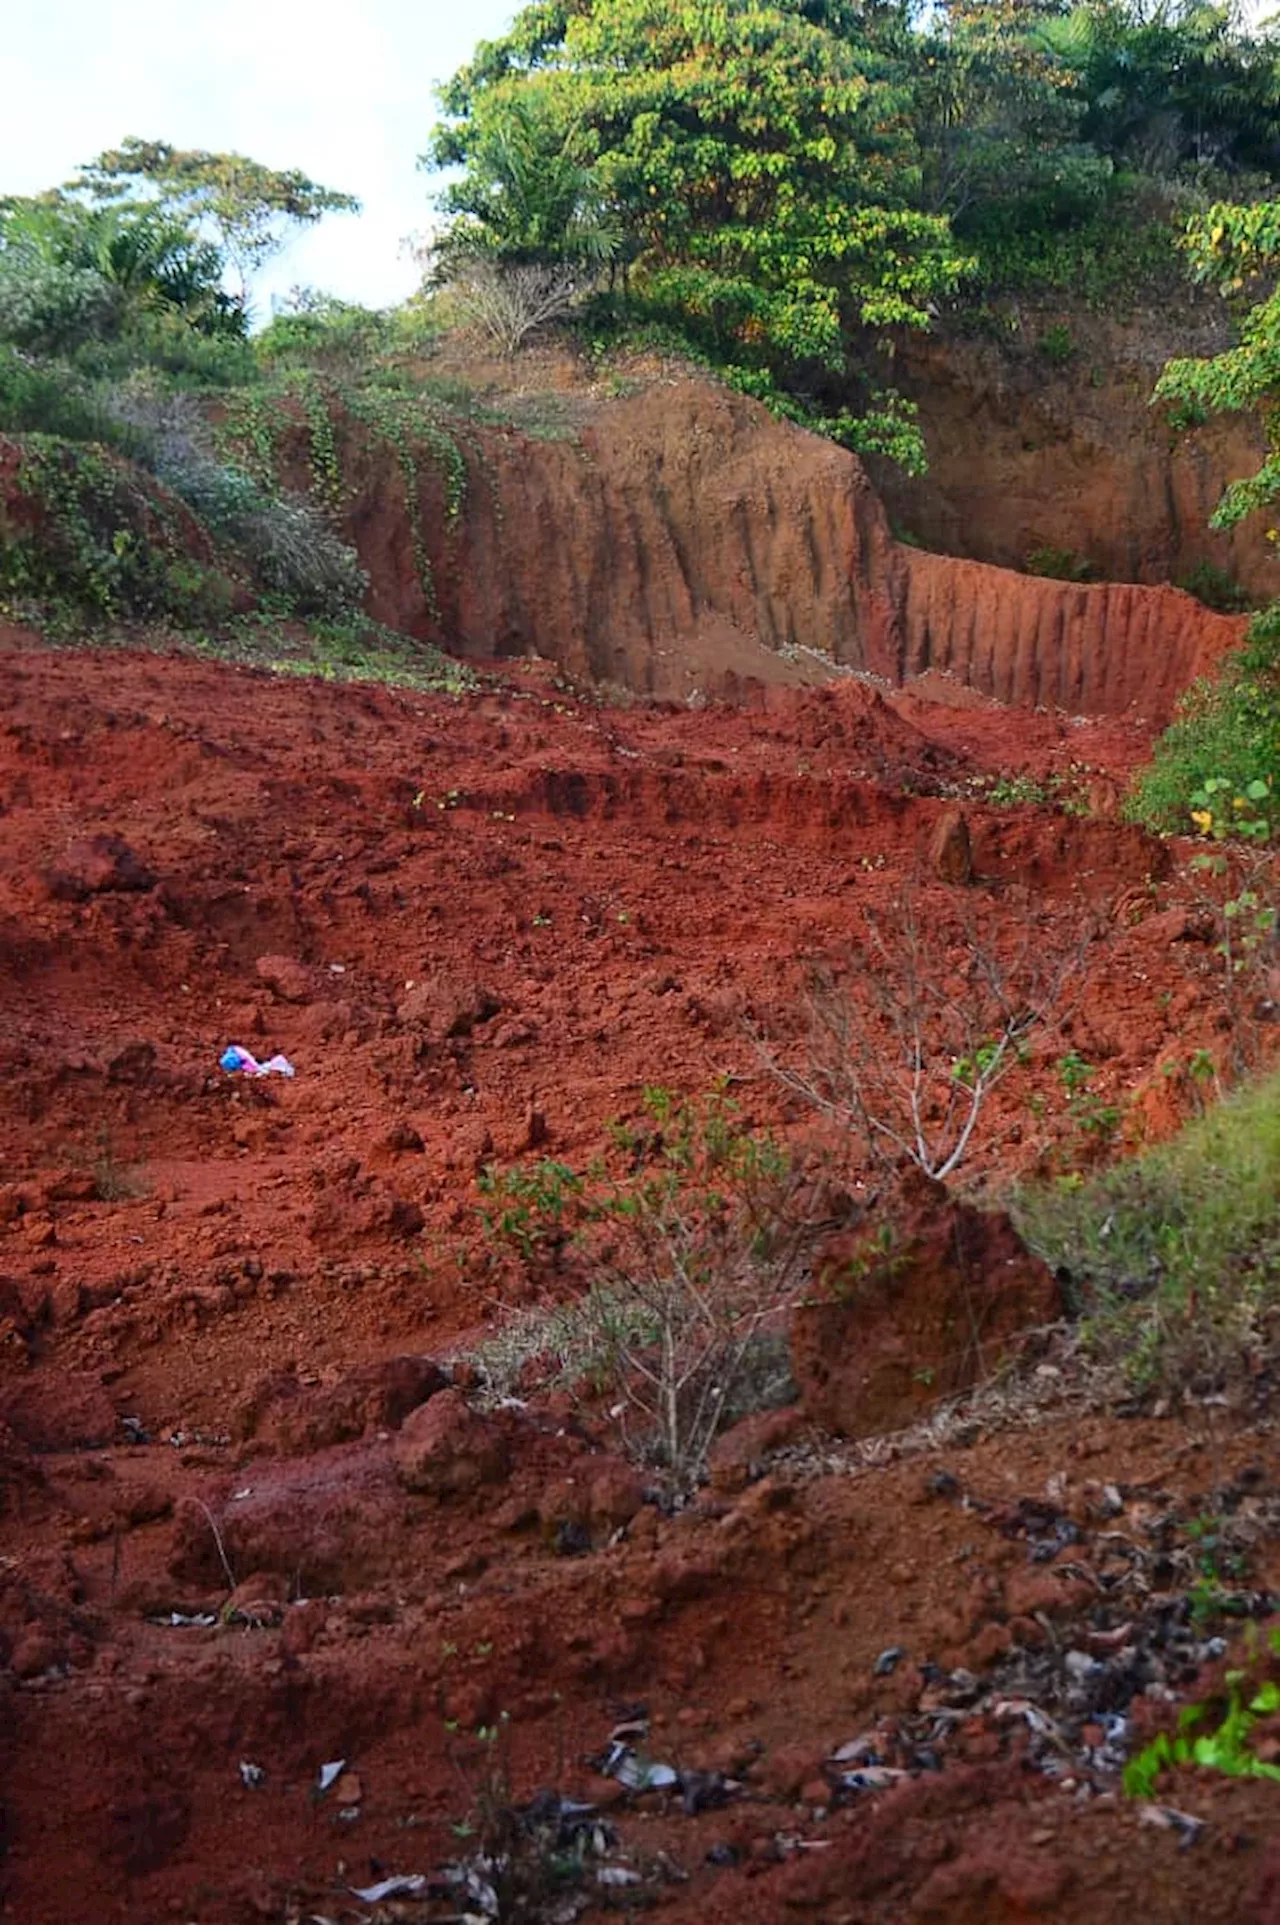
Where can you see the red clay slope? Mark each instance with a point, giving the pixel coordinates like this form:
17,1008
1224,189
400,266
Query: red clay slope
479,926
687,540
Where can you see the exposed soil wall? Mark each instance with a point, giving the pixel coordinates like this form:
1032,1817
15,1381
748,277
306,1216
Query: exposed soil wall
687,541
1027,453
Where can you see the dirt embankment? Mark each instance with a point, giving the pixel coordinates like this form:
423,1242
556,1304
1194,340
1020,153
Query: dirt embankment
1046,438
686,541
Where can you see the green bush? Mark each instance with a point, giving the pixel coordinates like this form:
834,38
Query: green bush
165,344
89,542
1060,564
51,306
46,397
1174,1256
319,331
1102,242
1215,587
1228,729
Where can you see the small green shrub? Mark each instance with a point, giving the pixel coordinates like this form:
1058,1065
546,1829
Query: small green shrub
1216,587
47,397
1227,731
1173,1256
1224,1747
695,1261
1057,344
1059,564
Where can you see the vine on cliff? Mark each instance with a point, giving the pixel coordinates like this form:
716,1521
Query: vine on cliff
259,425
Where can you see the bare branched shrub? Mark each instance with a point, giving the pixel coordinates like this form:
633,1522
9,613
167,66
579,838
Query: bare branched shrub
286,541
911,1035
1238,897
509,301
698,1255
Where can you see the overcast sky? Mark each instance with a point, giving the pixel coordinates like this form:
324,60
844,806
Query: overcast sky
343,93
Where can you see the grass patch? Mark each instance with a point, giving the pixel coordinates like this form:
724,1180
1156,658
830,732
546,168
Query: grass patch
357,650
1173,1257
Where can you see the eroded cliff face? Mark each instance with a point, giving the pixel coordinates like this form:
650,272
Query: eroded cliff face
1046,438
688,541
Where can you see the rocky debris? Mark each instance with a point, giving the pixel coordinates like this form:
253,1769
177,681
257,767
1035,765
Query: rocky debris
353,1204
336,1521
446,1449
98,865
1104,1627
257,1601
293,1419
741,1454
292,981
43,1625
587,1506
447,1007
950,848
890,1332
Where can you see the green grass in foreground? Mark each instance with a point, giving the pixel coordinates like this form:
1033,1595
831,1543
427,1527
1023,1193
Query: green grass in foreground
1174,1256
358,650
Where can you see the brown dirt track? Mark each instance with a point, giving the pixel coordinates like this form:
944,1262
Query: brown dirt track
469,922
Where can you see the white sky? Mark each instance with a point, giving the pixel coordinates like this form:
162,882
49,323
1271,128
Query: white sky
343,93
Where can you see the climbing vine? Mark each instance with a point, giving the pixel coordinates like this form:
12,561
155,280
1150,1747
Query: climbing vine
258,425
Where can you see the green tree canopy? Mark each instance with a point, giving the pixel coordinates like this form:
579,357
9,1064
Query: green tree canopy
71,272
756,157
1176,85
245,208
1235,248
995,100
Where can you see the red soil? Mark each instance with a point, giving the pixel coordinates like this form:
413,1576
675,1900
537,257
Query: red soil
477,926
683,540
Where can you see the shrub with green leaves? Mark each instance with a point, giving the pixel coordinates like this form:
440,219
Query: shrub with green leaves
87,541
1226,1746
1173,1256
1227,733
694,1256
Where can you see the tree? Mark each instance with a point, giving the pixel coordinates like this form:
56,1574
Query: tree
1227,735
1175,84
71,272
1235,248
245,208
993,100
529,197
758,163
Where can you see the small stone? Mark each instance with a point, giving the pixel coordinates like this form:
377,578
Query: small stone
34,1653
446,1449
291,980
98,865
950,848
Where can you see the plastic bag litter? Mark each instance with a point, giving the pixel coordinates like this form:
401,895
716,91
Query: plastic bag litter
329,1774
638,1773
241,1062
411,1886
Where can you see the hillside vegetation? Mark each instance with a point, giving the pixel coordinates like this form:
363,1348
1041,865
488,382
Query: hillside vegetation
777,190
